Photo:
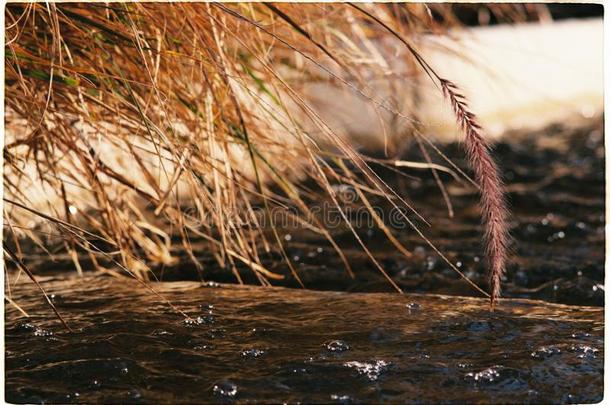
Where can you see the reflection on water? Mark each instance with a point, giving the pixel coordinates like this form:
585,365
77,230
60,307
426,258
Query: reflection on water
270,344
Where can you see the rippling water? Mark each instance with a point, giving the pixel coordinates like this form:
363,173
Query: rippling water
270,344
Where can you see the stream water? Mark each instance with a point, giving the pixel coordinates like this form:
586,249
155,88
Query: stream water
274,345
361,342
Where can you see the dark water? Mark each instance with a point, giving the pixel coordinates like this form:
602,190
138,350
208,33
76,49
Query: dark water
272,345
367,344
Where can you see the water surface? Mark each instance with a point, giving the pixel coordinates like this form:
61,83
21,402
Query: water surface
273,345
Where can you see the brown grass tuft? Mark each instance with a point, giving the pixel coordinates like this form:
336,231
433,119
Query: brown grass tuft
136,130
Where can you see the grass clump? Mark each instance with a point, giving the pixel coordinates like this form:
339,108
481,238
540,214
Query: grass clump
133,127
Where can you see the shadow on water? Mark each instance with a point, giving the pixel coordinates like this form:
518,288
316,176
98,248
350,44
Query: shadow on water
254,344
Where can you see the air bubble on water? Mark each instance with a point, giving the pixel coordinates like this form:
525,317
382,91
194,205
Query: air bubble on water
337,346
459,264
288,237
42,332
296,258
124,370
24,326
225,389
489,375
134,394
319,250
545,351
372,370
56,299
413,306
211,284
477,259
584,351
160,332
581,225
579,273
341,398
254,353
200,320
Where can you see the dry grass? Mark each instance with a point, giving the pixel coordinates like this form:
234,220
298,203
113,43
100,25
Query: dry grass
130,124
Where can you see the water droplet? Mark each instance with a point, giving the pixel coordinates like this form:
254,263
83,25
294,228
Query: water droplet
288,237
337,346
124,370
319,250
225,389
413,306
340,398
